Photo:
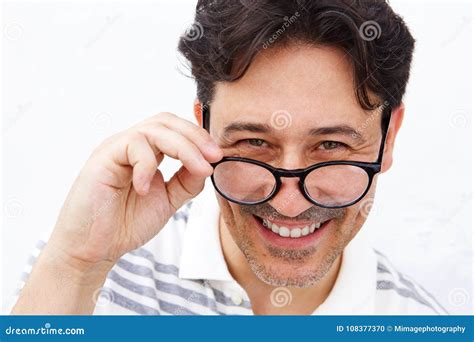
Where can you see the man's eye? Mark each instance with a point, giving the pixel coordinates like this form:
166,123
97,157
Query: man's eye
331,145
255,142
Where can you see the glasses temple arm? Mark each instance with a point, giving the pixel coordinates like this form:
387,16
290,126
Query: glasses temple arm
386,116
205,116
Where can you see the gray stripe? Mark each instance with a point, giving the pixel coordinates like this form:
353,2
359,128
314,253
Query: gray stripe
388,285
147,292
24,276
181,216
132,286
381,268
141,252
135,269
31,260
172,269
175,309
166,287
203,300
163,268
40,244
223,299
190,295
132,305
410,284
433,298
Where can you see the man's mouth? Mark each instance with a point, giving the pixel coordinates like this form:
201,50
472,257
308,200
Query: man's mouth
289,229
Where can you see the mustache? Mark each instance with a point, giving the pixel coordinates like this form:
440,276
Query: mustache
314,213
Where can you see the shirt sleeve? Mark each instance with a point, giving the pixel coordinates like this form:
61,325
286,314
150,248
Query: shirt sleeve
31,259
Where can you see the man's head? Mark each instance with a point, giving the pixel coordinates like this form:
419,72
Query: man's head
292,84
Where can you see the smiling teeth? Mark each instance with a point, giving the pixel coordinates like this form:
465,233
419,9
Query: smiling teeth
293,233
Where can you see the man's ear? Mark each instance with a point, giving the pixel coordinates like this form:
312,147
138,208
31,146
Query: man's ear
198,112
395,124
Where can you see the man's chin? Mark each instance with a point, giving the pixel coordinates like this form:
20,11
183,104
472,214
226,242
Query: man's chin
284,274
277,266
281,259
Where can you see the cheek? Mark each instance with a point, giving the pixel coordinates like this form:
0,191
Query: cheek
239,225
225,209
357,214
231,215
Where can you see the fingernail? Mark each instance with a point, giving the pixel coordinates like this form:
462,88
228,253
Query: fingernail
204,162
213,146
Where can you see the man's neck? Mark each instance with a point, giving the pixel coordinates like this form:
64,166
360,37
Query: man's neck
303,300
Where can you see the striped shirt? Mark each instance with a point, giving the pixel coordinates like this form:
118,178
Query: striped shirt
182,271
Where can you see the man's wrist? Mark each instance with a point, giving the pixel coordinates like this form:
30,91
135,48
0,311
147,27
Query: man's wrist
75,270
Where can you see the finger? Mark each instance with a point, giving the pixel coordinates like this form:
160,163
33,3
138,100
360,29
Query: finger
183,186
197,135
141,157
178,147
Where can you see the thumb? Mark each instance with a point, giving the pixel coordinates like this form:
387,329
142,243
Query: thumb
183,186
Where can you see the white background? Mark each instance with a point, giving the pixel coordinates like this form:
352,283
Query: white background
76,72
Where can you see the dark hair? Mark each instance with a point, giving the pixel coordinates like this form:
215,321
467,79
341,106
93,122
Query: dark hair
228,34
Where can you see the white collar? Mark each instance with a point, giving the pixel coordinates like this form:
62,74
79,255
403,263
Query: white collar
202,258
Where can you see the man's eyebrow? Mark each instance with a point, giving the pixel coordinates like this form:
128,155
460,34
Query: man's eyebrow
342,129
246,126
265,128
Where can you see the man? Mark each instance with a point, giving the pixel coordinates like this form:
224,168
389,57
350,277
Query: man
299,104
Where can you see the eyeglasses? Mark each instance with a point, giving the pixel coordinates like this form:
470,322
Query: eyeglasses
332,184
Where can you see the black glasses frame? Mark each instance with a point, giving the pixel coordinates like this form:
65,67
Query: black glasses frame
370,168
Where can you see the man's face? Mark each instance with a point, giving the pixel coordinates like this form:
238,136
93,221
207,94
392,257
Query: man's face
294,107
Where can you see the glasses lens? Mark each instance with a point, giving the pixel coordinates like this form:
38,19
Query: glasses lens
244,182
336,185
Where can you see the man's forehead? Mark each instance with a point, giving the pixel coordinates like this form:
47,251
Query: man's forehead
308,87
270,117
308,75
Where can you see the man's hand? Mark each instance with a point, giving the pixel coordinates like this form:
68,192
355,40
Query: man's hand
119,202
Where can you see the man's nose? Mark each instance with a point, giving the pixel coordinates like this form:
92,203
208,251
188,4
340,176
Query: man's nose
289,201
